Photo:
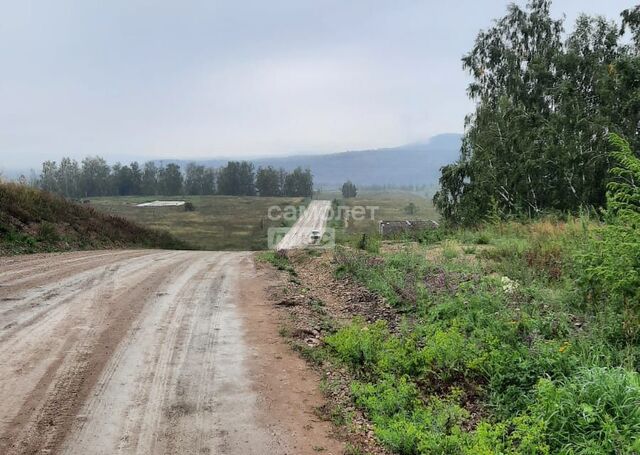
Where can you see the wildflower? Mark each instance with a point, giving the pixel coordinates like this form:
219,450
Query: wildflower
509,286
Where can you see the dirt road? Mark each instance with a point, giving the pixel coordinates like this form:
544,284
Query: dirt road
148,352
313,218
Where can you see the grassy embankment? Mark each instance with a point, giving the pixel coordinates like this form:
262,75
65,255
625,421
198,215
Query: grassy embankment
515,340
217,223
35,221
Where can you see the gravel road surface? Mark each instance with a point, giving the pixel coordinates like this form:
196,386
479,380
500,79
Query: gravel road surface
313,218
148,352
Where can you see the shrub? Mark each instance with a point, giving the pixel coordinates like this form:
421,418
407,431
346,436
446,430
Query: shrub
512,371
610,266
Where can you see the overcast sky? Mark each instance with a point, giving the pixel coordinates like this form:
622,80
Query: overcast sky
188,79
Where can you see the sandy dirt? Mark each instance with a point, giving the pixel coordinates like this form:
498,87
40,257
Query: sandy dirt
149,352
313,218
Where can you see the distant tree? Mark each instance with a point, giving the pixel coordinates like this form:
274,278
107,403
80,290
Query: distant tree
170,180
229,179
95,176
49,177
247,179
149,185
199,180
299,183
237,179
268,182
282,178
209,181
349,190
124,181
136,178
68,177
194,179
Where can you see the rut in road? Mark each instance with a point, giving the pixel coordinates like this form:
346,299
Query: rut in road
127,352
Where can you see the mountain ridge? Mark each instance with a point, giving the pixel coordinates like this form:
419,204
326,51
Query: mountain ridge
410,164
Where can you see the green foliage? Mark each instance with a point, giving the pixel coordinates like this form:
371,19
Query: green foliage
278,259
611,264
94,177
369,243
237,179
349,190
405,423
521,435
449,249
544,107
198,180
298,183
359,345
501,352
595,411
395,278
269,181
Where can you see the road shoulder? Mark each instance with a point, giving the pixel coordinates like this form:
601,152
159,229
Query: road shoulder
288,389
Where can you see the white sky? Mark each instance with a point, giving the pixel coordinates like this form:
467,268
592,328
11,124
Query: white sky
194,79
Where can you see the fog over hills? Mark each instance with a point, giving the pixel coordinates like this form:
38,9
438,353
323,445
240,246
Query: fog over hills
404,165
409,164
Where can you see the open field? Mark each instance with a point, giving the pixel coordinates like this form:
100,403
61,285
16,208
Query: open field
391,205
217,223
241,223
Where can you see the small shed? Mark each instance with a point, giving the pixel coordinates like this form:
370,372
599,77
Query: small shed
388,228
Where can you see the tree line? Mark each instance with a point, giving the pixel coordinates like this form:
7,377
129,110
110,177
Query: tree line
94,177
546,104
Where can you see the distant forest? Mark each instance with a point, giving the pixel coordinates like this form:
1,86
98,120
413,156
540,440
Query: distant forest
94,177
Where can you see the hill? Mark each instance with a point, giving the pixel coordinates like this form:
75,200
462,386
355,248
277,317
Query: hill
34,221
409,164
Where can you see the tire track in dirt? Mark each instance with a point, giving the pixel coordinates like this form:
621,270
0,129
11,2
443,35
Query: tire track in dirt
45,415
147,352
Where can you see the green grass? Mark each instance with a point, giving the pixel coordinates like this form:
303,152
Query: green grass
390,206
278,259
217,223
506,348
241,223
